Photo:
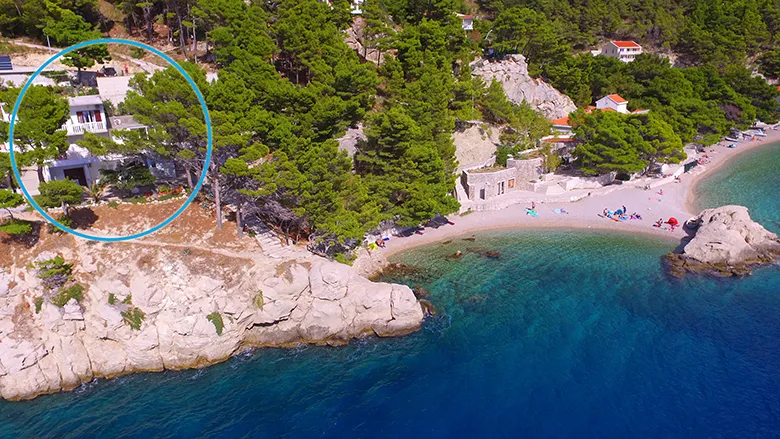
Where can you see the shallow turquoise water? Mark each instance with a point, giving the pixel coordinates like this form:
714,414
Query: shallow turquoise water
567,334
752,180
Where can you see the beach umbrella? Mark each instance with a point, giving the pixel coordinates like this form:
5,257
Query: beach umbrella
673,221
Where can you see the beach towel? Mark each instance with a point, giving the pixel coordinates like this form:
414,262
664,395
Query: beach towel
531,212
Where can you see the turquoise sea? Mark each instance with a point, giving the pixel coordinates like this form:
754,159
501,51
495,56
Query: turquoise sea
566,334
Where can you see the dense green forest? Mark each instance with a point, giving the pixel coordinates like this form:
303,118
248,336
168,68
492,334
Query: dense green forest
289,85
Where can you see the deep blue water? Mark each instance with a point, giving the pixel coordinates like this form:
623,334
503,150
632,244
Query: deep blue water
567,334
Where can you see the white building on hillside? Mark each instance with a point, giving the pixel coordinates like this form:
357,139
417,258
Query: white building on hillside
77,163
612,102
467,21
625,51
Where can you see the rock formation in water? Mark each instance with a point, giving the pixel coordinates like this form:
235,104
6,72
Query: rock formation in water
727,243
512,73
45,348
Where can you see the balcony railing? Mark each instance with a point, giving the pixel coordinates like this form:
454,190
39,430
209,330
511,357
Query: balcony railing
75,129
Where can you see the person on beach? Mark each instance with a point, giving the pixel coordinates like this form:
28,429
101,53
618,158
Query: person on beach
533,205
661,192
659,222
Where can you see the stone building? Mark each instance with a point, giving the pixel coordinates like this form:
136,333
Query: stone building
484,184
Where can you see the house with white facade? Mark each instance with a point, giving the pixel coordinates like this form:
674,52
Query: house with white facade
625,51
613,102
87,114
467,21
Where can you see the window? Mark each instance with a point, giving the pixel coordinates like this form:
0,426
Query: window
80,116
97,117
511,183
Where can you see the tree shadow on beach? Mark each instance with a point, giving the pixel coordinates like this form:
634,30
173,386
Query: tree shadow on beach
82,218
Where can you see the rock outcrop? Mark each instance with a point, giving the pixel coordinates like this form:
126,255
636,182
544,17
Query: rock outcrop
727,243
512,73
45,348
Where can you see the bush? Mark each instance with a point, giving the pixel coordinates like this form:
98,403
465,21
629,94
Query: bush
128,300
503,153
54,272
137,52
164,189
65,221
55,193
345,258
38,304
260,300
216,319
73,292
137,200
134,317
16,227
168,196
113,204
111,298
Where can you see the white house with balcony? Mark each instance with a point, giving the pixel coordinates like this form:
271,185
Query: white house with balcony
625,51
87,114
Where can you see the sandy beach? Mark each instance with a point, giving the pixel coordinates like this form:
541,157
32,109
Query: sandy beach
677,201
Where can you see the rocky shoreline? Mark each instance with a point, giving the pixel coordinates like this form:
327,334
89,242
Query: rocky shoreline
180,293
727,243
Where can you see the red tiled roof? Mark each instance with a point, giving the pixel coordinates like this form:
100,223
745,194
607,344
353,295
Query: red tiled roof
561,121
617,98
465,17
626,44
778,88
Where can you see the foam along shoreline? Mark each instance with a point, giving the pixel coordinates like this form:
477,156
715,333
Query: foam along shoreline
677,201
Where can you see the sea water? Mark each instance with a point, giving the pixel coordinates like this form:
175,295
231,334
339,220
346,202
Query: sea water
566,334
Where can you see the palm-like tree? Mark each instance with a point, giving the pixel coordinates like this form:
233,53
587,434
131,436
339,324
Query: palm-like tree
95,192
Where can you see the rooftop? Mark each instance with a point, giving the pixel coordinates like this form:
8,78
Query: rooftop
616,98
561,121
124,123
85,100
626,44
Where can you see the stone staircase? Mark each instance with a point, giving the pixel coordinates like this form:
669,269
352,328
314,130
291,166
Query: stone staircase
272,246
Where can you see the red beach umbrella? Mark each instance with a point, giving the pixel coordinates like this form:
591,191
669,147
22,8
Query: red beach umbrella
673,221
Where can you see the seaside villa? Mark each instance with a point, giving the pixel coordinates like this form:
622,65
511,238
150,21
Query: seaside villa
87,114
625,51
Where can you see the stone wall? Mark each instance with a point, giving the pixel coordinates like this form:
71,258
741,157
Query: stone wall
517,176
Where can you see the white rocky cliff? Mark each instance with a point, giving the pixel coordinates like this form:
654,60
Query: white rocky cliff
45,348
512,73
727,242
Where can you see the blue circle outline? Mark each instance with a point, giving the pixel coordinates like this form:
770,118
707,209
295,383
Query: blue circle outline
202,105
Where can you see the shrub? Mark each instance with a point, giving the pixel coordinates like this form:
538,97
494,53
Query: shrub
111,298
169,195
216,319
137,200
113,204
137,52
64,220
346,259
74,292
260,300
164,189
38,304
128,300
54,272
16,227
134,317
58,193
